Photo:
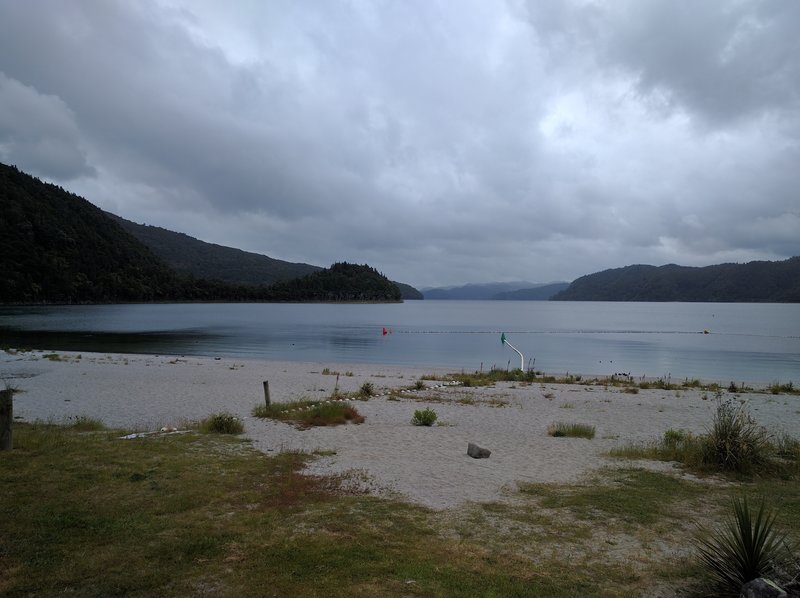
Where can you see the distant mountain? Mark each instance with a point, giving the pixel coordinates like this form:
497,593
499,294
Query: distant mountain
480,291
540,293
217,262
407,292
756,282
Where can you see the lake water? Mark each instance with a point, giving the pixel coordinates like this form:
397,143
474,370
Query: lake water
746,342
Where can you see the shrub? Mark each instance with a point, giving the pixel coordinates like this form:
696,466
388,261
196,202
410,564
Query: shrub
307,413
84,423
562,429
367,389
673,438
424,417
419,385
735,441
746,547
222,423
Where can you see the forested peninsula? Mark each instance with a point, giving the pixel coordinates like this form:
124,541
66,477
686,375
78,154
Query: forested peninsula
754,282
56,247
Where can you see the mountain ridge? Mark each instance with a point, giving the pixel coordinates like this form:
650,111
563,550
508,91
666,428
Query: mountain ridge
756,282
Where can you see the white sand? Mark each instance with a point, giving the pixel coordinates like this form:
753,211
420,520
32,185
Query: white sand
425,465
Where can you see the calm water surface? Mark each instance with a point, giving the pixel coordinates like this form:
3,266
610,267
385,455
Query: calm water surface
746,342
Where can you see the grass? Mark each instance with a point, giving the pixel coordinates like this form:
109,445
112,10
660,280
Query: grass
627,383
222,423
734,444
305,414
198,513
570,430
424,417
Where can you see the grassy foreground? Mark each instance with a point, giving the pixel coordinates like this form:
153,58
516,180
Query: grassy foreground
203,514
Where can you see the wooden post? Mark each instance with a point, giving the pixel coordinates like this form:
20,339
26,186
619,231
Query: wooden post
6,418
266,392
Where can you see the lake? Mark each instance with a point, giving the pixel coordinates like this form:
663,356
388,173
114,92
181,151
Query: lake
746,342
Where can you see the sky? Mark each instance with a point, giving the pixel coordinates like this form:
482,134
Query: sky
440,141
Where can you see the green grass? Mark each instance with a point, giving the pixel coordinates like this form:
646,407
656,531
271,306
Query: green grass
570,430
306,413
199,513
424,417
734,444
222,423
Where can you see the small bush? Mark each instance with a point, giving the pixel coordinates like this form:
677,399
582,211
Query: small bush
419,385
307,413
562,430
674,437
746,547
84,423
367,389
424,417
735,441
222,423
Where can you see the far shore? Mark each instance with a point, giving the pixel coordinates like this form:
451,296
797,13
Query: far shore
387,454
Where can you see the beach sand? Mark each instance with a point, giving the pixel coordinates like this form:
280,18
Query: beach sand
385,455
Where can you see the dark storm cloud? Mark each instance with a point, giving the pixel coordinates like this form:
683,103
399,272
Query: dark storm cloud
440,141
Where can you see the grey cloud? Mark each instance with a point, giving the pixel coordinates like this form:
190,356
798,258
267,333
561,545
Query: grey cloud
441,143
40,132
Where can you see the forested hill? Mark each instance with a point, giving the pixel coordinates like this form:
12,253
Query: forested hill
56,247
756,282
204,260
216,262
340,282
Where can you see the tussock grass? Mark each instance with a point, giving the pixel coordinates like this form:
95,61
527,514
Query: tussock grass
222,423
84,423
307,413
734,443
570,430
424,417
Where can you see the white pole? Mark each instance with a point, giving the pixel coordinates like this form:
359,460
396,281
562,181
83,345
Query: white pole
521,358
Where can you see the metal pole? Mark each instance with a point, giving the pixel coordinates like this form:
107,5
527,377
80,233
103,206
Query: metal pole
521,358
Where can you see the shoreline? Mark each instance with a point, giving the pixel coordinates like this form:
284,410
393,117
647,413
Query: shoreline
385,454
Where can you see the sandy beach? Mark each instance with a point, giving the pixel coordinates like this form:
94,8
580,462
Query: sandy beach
386,454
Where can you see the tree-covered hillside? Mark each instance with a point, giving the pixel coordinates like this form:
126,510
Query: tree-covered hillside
214,262
756,282
209,261
341,282
58,247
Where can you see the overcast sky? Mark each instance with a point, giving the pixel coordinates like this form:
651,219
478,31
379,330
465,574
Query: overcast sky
442,142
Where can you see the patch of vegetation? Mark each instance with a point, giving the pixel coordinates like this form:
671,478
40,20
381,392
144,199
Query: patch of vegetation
633,496
570,430
424,417
306,414
222,423
84,423
777,388
734,443
367,389
746,547
195,514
